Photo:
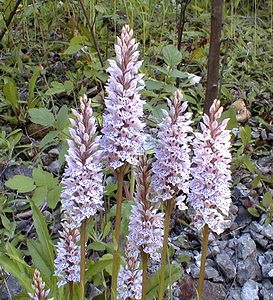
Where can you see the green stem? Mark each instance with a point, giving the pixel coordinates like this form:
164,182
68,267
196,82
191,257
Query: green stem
203,261
116,257
145,261
169,208
71,290
82,266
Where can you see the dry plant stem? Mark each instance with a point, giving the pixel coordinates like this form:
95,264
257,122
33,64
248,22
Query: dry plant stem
71,290
91,29
145,261
168,212
214,54
203,261
8,21
181,24
82,267
116,259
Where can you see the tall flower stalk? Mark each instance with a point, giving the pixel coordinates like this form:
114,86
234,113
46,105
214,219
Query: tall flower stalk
209,189
82,196
172,167
122,129
144,241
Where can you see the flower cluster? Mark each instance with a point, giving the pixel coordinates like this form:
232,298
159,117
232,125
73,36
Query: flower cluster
145,233
123,131
39,288
82,196
172,167
130,277
146,223
209,189
67,262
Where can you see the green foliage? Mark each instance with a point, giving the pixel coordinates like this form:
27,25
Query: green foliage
172,273
265,206
42,184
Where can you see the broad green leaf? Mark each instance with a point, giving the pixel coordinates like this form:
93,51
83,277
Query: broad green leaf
154,85
57,88
14,137
255,181
41,116
39,195
267,200
32,83
61,118
250,166
44,178
178,74
38,259
98,246
231,115
172,274
6,222
171,55
72,49
253,211
21,183
43,235
50,137
54,197
95,267
11,93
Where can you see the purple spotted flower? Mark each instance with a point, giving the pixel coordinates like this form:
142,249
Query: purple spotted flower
82,195
129,284
146,223
123,131
172,166
209,189
67,262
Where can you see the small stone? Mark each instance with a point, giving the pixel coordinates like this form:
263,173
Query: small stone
259,238
264,135
214,291
226,265
246,246
10,288
54,167
266,266
268,231
255,226
267,290
248,269
234,294
250,291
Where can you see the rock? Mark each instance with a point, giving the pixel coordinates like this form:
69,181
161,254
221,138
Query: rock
10,289
259,238
267,290
243,216
226,265
268,231
248,269
250,291
234,294
187,288
54,167
246,246
266,265
214,291
92,291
